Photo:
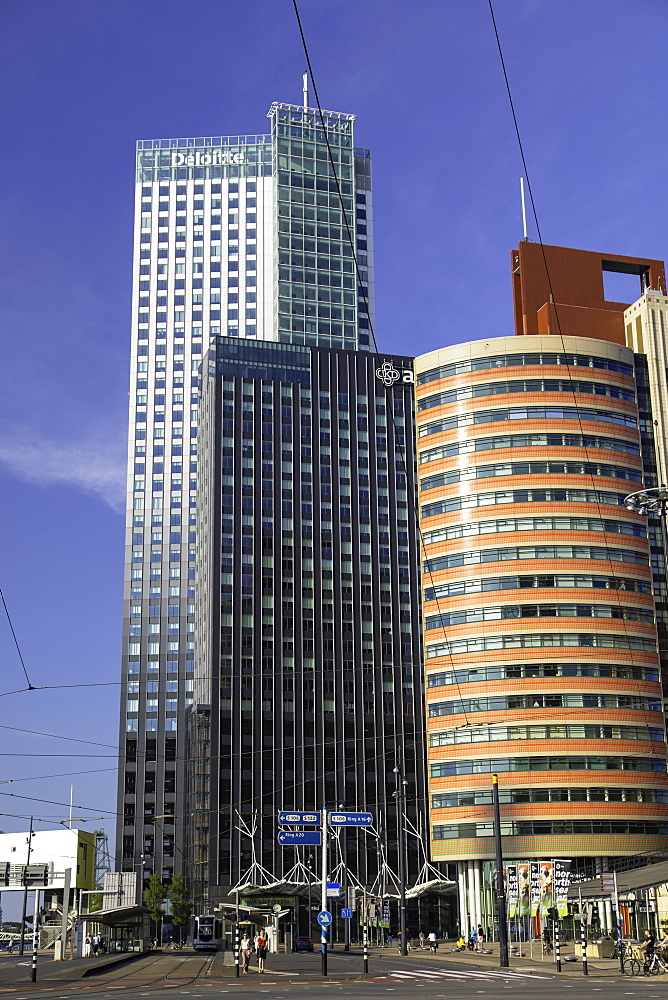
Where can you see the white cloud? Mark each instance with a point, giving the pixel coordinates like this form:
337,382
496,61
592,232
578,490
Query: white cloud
94,466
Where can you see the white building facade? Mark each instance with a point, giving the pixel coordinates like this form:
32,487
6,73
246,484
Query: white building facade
251,237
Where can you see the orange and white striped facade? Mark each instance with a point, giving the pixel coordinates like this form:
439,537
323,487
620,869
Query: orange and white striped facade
540,642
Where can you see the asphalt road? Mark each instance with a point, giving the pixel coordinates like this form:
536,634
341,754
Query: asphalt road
196,976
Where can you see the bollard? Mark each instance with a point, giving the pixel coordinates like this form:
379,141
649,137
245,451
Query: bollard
237,943
583,944
557,947
35,939
366,948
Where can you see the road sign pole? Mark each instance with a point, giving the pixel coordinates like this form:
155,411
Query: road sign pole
323,898
620,931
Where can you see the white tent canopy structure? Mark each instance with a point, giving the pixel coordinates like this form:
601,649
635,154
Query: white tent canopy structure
257,881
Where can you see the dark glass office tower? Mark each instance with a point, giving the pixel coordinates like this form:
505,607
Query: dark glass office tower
308,684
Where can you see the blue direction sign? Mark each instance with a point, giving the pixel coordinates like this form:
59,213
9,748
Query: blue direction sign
351,819
346,914
324,918
298,837
299,818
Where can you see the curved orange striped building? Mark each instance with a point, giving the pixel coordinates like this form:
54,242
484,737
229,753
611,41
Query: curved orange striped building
540,639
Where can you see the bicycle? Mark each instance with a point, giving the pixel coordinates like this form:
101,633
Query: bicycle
631,964
654,966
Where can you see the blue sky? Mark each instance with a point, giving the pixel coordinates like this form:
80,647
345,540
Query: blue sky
82,81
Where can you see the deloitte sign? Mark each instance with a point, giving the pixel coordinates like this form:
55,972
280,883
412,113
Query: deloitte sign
215,158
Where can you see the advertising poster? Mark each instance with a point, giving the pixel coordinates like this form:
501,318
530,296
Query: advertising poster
546,888
511,889
534,876
523,890
561,880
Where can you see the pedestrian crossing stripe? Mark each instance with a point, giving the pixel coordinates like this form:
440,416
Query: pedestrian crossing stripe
461,974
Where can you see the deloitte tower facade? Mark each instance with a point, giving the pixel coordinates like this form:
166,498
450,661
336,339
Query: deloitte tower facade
241,242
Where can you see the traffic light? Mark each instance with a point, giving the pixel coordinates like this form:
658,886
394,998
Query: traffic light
553,913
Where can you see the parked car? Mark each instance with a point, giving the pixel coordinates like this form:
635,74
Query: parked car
302,944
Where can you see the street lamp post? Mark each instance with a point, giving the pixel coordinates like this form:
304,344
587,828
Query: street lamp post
25,892
653,500
400,796
310,880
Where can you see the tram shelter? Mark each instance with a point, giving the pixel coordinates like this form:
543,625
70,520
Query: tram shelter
122,928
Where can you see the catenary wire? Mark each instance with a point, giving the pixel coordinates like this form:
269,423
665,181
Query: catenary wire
16,641
412,500
617,594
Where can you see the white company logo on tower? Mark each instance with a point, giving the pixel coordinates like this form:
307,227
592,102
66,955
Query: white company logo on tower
200,158
388,374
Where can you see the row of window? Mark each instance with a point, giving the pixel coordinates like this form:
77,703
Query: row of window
551,495
513,611
150,725
514,702
576,413
533,524
541,828
530,469
489,643
517,796
502,734
494,765
518,360
515,671
569,580
508,553
537,440
525,385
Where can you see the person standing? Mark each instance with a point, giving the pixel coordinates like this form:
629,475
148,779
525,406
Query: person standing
245,953
421,940
261,944
87,947
481,938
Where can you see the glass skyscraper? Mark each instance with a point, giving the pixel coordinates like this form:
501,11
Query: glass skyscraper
244,237
308,686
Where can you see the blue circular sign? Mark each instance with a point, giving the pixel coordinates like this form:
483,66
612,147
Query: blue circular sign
324,918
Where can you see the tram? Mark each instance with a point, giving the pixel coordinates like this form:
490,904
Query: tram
208,933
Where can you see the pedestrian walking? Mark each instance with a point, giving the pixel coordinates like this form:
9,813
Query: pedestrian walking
421,937
433,945
95,942
261,951
87,946
245,953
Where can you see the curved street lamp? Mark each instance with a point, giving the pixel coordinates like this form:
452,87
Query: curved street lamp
649,501
653,500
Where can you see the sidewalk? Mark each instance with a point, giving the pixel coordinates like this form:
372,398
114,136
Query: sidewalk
598,967
15,968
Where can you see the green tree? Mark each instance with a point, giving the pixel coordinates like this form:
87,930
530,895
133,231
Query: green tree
95,900
180,903
155,895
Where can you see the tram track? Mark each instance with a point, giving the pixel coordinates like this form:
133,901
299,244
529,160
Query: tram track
134,978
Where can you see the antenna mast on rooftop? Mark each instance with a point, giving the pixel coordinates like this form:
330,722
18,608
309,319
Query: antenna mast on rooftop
305,89
524,209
